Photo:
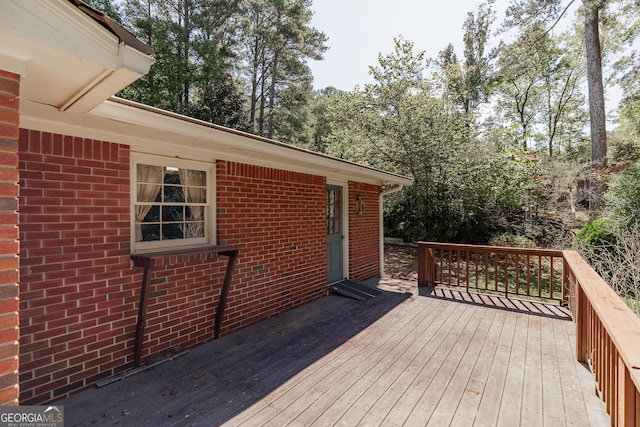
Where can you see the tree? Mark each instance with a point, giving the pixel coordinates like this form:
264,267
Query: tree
562,107
549,12
112,10
194,43
321,124
538,91
402,124
519,74
468,83
278,40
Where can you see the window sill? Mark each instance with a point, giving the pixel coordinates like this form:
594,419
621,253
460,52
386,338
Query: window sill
149,259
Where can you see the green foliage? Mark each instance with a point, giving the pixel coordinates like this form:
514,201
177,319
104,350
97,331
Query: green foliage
539,93
112,10
596,233
468,83
623,195
463,187
627,135
238,63
277,39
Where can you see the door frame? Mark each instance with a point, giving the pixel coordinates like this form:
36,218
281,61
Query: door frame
345,222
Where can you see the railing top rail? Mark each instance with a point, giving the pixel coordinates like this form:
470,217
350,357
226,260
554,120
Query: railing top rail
621,324
495,249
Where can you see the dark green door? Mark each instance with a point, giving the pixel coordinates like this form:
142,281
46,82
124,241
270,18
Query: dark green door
334,233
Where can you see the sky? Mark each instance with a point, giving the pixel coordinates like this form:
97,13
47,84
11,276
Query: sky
360,29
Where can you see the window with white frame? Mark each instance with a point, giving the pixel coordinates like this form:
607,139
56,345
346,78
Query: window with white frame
172,203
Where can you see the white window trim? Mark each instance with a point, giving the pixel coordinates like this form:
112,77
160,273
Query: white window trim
210,217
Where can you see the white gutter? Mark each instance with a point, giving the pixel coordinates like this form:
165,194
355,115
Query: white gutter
394,189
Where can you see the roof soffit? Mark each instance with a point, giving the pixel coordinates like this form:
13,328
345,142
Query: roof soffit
66,56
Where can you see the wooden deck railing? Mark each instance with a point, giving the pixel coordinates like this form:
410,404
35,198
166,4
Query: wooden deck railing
531,273
607,331
607,338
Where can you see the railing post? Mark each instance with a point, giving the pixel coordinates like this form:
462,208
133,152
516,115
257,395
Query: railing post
427,266
422,264
566,285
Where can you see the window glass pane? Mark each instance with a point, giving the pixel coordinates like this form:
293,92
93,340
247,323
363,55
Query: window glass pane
172,213
153,215
193,230
150,232
173,194
171,176
171,231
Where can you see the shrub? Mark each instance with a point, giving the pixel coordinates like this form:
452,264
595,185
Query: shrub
613,250
596,233
623,195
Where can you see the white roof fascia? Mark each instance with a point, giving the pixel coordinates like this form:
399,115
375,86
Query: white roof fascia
132,64
239,146
54,38
61,26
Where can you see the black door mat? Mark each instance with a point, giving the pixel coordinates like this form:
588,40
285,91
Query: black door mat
354,290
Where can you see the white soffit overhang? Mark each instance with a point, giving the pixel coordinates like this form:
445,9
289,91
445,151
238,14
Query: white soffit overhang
150,130
64,57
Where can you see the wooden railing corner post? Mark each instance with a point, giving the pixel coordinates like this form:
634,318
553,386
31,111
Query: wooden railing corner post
422,264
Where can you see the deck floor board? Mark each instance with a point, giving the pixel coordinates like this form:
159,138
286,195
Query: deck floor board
430,357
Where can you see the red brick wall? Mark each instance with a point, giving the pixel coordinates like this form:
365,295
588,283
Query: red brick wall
79,294
278,219
9,261
364,234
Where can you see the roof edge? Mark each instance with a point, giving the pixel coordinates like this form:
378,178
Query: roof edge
124,35
393,177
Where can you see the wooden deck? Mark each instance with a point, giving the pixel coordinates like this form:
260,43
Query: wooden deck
440,358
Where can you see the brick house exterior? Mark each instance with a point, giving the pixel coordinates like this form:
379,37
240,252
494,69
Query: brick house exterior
78,167
9,261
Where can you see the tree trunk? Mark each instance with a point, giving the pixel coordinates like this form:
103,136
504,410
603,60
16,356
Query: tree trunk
272,94
185,52
262,96
254,85
596,104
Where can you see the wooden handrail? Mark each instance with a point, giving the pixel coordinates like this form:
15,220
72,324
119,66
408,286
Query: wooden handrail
533,273
607,338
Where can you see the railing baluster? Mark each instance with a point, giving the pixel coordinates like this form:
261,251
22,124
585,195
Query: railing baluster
477,262
495,271
539,276
517,268
528,274
458,253
551,274
449,264
467,265
506,274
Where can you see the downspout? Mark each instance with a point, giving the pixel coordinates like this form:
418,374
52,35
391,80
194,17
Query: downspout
394,189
